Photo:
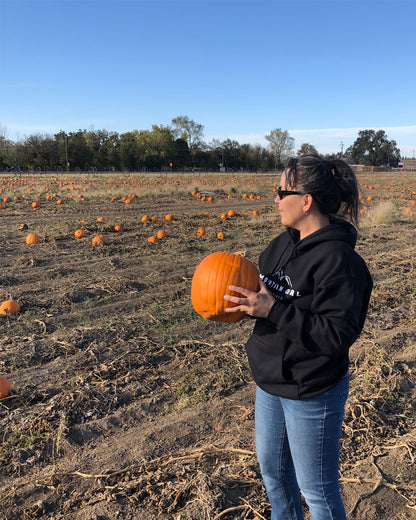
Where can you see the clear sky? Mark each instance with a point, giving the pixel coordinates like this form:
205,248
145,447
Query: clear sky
321,69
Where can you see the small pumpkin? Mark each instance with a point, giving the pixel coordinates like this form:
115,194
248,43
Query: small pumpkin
255,213
32,238
211,281
145,218
161,233
118,227
220,236
79,233
99,240
201,232
35,205
153,239
169,217
101,219
4,387
231,213
10,307
59,201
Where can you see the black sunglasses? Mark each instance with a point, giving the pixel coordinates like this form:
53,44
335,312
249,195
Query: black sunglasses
282,193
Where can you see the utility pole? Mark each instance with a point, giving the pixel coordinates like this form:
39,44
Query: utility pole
342,149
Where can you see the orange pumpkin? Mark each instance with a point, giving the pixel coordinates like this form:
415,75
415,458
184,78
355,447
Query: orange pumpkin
161,233
101,219
33,238
231,213
201,232
220,236
153,239
118,227
169,217
211,280
10,307
99,240
79,233
35,205
59,201
4,387
145,218
255,213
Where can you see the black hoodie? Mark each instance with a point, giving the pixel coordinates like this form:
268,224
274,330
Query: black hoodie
322,288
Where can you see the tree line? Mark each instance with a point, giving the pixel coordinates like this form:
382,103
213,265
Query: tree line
176,147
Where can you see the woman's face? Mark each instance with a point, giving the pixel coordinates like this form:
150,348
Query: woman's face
290,206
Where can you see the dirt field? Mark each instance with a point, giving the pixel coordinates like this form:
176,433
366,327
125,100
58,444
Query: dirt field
126,404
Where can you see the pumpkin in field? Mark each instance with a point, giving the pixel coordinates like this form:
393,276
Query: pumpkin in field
35,205
99,240
32,238
153,239
169,217
79,233
211,280
118,227
9,307
201,232
4,387
161,233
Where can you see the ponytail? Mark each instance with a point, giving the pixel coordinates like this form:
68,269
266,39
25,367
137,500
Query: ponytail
345,178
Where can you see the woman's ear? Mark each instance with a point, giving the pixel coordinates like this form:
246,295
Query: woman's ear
307,202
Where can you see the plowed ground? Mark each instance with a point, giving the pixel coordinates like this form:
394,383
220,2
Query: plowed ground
127,404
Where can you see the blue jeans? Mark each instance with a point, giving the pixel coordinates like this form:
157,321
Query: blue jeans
297,446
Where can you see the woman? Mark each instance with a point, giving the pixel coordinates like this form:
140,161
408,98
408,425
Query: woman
311,307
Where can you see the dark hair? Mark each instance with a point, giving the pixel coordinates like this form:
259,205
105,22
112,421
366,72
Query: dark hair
332,184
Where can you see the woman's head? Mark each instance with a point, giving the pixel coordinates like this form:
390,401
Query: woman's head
332,184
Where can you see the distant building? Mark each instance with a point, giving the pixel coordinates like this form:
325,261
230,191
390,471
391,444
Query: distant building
409,164
361,168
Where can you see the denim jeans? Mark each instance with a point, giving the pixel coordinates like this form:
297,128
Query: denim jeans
297,446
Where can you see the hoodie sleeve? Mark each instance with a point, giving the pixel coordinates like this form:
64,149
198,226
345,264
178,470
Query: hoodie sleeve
336,315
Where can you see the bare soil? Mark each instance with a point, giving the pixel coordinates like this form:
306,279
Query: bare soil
126,404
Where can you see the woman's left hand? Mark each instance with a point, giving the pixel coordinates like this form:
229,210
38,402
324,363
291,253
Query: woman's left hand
257,304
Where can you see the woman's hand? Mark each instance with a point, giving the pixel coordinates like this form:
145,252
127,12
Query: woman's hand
257,304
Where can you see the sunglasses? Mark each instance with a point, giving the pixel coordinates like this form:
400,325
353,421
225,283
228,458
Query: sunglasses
282,193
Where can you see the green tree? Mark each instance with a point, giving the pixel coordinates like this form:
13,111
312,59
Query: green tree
187,129
6,152
307,148
41,152
373,149
101,143
281,144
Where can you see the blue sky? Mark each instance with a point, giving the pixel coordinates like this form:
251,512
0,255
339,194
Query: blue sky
321,69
